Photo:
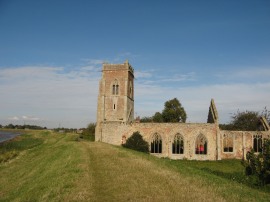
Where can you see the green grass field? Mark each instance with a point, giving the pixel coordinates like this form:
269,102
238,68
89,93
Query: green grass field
57,167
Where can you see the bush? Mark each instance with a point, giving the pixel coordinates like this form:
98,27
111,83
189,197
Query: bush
89,132
136,142
258,165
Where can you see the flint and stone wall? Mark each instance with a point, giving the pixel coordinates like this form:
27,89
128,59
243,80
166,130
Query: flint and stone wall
115,133
242,142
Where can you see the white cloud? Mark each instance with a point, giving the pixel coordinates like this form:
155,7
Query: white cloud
14,118
26,72
30,118
179,77
88,68
69,98
247,90
142,74
93,61
255,73
52,93
196,99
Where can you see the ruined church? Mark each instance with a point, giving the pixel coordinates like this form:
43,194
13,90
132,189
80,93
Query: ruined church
194,141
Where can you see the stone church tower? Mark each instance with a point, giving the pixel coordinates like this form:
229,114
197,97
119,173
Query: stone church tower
116,95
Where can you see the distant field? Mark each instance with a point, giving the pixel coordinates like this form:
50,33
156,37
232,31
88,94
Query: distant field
58,167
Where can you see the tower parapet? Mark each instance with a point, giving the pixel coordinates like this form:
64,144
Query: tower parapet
117,67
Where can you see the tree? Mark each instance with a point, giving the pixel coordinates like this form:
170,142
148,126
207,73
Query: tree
258,165
89,132
136,142
245,121
173,111
10,126
158,118
146,119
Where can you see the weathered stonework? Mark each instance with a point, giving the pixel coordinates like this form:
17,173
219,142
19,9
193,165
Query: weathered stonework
204,141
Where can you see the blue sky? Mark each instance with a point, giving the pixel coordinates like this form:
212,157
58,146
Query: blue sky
51,54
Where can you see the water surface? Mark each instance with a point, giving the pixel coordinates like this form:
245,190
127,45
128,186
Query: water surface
5,135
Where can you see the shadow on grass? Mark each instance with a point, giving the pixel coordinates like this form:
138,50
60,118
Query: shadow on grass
230,169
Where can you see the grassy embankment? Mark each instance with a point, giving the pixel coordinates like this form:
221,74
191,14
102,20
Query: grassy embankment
53,167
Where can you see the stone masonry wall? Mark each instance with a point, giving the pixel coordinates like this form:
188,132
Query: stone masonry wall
114,133
242,142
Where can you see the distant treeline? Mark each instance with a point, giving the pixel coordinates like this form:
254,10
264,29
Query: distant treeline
33,127
89,131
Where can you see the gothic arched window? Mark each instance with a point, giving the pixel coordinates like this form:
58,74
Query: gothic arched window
257,143
115,87
178,144
228,143
201,144
156,144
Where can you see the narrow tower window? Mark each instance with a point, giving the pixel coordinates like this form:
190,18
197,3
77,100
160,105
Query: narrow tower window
130,90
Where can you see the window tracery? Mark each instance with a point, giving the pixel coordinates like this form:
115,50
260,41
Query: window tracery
178,144
257,143
115,88
156,144
201,145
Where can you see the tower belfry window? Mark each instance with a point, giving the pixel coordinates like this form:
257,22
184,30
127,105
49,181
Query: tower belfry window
113,91
115,88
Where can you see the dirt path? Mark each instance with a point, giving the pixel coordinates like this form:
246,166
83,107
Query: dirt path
113,174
